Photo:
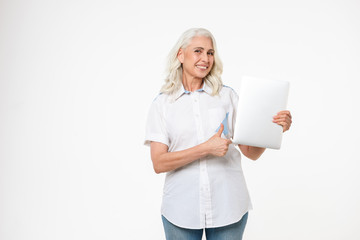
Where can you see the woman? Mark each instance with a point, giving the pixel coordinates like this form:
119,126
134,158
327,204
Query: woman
189,128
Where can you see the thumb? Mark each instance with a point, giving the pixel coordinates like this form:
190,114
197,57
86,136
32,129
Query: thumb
221,129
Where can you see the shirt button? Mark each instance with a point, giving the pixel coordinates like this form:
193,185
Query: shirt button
195,100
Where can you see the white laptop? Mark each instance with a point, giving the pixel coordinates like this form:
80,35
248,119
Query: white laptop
260,100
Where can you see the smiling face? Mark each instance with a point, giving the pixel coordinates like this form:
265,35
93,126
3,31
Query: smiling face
197,58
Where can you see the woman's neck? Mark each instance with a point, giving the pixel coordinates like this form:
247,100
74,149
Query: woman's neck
192,84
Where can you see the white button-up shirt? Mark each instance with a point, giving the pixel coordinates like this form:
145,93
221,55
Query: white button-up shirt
211,191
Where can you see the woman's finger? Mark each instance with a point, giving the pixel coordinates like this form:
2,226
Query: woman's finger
283,113
284,125
282,120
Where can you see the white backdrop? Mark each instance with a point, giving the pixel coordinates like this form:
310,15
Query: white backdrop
77,79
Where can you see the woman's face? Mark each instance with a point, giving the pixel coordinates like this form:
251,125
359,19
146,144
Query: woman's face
197,58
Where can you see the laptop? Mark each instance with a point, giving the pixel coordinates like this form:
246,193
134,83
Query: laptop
259,100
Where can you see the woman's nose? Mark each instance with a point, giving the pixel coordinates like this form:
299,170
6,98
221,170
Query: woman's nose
205,57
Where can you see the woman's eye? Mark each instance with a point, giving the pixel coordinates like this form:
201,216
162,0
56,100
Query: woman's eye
211,53
197,51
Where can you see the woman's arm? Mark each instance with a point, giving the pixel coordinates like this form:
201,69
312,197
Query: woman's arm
251,152
164,161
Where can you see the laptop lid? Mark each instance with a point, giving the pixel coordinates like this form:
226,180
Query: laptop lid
259,100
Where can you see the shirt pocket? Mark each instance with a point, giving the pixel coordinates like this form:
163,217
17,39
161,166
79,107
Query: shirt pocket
216,117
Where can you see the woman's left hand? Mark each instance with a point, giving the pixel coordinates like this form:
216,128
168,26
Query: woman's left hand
283,118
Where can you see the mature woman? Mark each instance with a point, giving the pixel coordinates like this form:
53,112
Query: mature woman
189,128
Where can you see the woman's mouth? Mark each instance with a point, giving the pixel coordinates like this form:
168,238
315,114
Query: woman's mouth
202,67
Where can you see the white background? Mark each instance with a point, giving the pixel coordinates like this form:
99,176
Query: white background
76,82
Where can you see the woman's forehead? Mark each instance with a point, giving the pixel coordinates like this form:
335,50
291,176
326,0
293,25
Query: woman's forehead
201,41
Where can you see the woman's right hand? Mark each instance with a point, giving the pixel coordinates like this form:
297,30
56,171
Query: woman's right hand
217,145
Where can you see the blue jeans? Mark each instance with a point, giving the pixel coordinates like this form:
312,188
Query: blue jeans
230,232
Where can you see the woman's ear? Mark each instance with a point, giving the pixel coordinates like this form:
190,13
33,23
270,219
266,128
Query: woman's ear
180,55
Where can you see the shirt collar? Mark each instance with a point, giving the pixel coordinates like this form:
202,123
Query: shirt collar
205,88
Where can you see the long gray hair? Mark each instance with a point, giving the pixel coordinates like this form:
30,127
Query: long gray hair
173,80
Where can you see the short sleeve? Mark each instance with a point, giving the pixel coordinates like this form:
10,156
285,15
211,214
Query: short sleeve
155,125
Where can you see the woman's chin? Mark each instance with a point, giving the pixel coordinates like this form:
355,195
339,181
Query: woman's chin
202,75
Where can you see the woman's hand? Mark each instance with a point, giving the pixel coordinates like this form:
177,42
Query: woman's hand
217,145
283,118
